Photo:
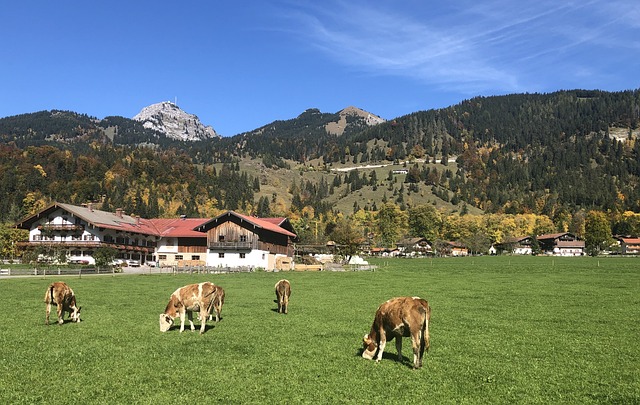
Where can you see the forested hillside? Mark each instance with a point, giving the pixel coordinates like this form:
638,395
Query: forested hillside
557,155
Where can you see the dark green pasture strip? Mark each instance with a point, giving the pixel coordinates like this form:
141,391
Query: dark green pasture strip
504,330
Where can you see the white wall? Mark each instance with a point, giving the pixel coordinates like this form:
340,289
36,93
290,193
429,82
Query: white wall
255,258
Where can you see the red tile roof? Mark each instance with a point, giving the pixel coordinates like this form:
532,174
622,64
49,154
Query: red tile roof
179,227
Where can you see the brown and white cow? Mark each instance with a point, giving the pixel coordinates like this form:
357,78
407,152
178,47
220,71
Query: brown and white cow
283,292
398,317
184,301
61,295
216,303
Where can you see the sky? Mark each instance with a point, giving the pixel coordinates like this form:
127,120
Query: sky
239,65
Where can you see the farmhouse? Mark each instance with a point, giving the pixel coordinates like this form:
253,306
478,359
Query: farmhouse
76,232
561,244
235,240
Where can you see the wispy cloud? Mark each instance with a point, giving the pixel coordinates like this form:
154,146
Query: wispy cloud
496,45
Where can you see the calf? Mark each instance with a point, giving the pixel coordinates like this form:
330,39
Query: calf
185,300
62,296
398,317
216,303
283,292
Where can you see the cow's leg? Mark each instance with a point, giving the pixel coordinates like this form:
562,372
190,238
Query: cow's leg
418,348
286,304
182,315
60,314
204,315
381,345
190,316
48,311
399,347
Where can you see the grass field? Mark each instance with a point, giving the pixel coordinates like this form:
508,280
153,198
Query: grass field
504,330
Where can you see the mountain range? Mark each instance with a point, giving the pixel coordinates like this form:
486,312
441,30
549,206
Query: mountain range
551,154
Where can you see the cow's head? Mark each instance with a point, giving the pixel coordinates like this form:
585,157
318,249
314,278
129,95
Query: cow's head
75,314
370,348
165,322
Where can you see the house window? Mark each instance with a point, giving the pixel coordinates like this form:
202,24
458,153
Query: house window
195,257
221,255
221,238
243,238
242,255
178,257
162,257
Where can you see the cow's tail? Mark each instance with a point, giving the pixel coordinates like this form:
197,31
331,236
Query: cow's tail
211,302
51,300
426,341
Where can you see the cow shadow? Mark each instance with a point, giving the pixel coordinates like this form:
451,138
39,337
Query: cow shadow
389,356
64,322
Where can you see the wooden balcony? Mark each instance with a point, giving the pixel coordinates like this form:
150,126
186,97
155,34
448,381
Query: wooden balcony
237,246
61,228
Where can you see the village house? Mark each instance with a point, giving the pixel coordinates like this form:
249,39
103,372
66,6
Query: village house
629,246
414,247
384,252
455,249
561,244
518,246
235,240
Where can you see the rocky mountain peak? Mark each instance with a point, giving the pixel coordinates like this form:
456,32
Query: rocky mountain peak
168,118
337,128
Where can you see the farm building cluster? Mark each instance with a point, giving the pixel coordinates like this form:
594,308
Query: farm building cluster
229,240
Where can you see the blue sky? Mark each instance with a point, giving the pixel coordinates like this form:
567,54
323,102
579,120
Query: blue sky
243,64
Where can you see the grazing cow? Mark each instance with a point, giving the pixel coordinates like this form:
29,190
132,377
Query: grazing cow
216,303
184,301
398,317
62,296
283,292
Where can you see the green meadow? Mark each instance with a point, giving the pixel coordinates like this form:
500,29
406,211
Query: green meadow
504,330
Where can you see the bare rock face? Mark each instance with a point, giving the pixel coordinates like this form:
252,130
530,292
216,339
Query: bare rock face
169,119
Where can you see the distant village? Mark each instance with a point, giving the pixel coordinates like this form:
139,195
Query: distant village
64,232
